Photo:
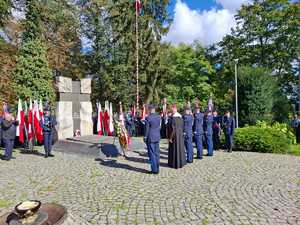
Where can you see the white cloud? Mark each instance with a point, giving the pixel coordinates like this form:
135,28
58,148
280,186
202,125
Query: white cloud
232,5
206,26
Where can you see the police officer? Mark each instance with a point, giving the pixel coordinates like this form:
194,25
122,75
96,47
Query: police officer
198,131
152,138
207,126
48,123
216,130
188,121
229,126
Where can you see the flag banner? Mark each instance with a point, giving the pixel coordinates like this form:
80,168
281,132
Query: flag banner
20,128
36,123
99,119
111,124
210,104
144,113
138,6
29,123
41,111
122,119
133,111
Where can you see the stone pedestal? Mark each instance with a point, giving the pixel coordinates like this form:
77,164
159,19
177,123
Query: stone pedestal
74,108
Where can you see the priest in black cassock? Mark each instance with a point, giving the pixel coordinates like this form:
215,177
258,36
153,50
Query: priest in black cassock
176,153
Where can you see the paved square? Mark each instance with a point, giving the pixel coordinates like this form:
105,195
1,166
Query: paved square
238,188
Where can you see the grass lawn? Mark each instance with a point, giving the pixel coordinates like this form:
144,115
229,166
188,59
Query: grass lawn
295,150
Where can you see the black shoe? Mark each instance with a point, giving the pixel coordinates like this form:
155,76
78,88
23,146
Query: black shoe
51,155
199,158
46,155
155,173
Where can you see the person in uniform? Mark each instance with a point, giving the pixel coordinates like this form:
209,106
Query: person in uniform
198,131
208,131
48,123
176,154
152,138
188,121
9,127
216,130
229,126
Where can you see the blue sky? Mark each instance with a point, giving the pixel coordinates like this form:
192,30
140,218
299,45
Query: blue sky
207,21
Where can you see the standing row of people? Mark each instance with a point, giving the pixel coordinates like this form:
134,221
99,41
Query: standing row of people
182,130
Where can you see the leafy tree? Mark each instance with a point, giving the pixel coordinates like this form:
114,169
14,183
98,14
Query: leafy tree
190,75
5,11
267,35
256,89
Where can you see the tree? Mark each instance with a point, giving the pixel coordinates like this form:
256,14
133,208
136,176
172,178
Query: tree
257,90
5,11
33,77
267,35
111,26
190,75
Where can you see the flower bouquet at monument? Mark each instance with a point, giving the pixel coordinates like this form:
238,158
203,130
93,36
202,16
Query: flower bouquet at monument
123,136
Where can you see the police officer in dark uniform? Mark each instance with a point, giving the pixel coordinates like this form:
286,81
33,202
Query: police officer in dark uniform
152,138
229,126
188,121
198,131
207,126
48,123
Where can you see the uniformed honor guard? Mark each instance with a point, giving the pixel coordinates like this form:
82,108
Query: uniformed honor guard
152,138
188,121
48,123
229,126
198,131
207,126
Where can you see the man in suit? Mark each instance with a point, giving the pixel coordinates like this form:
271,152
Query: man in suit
188,121
198,131
207,126
152,138
229,126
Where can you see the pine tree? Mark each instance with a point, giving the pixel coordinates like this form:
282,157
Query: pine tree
32,77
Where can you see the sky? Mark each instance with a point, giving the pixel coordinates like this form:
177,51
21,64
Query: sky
207,21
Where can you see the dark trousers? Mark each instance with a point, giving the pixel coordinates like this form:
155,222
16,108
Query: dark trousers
228,141
199,145
9,145
216,141
209,144
188,142
153,153
297,134
48,142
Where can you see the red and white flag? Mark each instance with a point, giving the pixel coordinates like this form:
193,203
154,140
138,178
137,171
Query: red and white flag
29,124
138,6
144,113
99,119
133,111
20,118
41,111
122,119
36,120
111,125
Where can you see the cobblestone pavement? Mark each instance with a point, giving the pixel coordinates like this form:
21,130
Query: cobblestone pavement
238,188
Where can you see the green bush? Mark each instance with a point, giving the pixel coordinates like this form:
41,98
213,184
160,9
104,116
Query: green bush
261,139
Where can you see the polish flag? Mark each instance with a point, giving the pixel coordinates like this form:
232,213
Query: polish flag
36,120
144,113
41,111
20,118
99,119
122,119
111,124
29,121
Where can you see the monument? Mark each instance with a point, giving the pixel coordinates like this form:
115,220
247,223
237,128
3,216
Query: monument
74,107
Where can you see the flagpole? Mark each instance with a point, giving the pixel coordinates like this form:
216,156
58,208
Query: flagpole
137,55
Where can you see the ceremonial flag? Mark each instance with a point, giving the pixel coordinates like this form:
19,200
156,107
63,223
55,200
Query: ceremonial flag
20,118
210,104
29,121
111,124
36,122
41,111
122,119
106,117
133,111
164,109
99,119
138,6
144,113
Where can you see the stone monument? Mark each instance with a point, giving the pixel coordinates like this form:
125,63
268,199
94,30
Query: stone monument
74,107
